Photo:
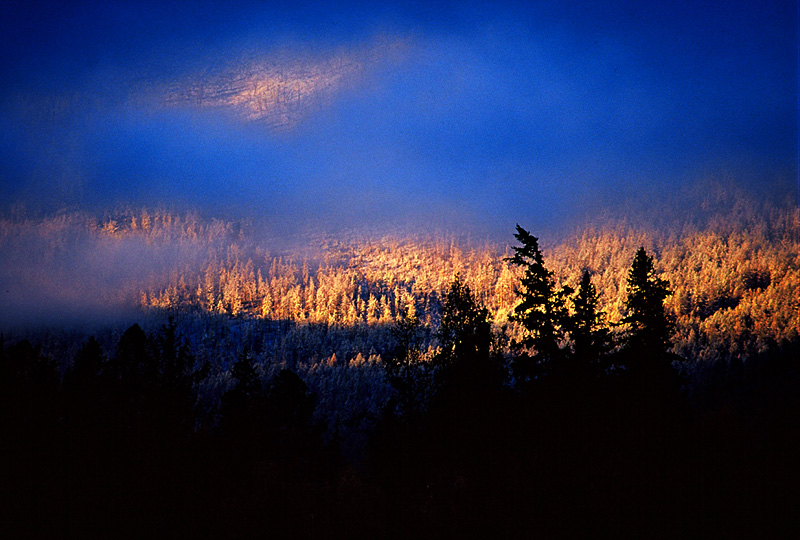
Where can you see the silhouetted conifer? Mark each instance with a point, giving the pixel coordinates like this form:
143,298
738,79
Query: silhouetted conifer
541,310
649,327
290,407
465,334
132,360
88,361
167,344
403,367
591,338
242,410
469,373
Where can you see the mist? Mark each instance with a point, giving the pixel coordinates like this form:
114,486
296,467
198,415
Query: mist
65,270
382,118
460,117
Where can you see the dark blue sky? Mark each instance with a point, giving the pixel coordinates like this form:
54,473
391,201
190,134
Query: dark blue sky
482,114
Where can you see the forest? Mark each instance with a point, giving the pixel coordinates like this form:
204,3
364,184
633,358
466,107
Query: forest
628,378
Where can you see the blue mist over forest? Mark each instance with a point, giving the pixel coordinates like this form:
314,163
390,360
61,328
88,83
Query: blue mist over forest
475,118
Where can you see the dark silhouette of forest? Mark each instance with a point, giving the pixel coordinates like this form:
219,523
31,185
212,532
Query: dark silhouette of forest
572,425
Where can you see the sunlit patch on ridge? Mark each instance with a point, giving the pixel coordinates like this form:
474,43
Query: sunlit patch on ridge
279,89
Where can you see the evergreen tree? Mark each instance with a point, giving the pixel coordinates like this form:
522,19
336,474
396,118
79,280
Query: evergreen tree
88,361
242,408
288,411
167,342
591,339
541,310
468,377
468,370
247,380
133,360
465,333
649,327
404,368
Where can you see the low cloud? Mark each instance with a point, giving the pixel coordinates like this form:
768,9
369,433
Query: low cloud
65,269
373,118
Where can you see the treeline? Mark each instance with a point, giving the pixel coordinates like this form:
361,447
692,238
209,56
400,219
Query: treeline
735,274
735,280
574,424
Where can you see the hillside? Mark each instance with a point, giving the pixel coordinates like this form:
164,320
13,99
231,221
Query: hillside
259,380
736,277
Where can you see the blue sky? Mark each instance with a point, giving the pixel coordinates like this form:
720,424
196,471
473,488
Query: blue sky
476,115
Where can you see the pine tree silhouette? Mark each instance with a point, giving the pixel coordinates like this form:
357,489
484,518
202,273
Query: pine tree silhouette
541,310
464,333
591,338
649,327
404,368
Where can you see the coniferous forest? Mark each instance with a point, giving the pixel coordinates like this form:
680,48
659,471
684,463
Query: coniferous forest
626,379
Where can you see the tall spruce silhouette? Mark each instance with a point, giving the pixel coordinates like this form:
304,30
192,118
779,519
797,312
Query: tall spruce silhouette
468,370
133,361
649,327
404,368
465,334
541,310
591,338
